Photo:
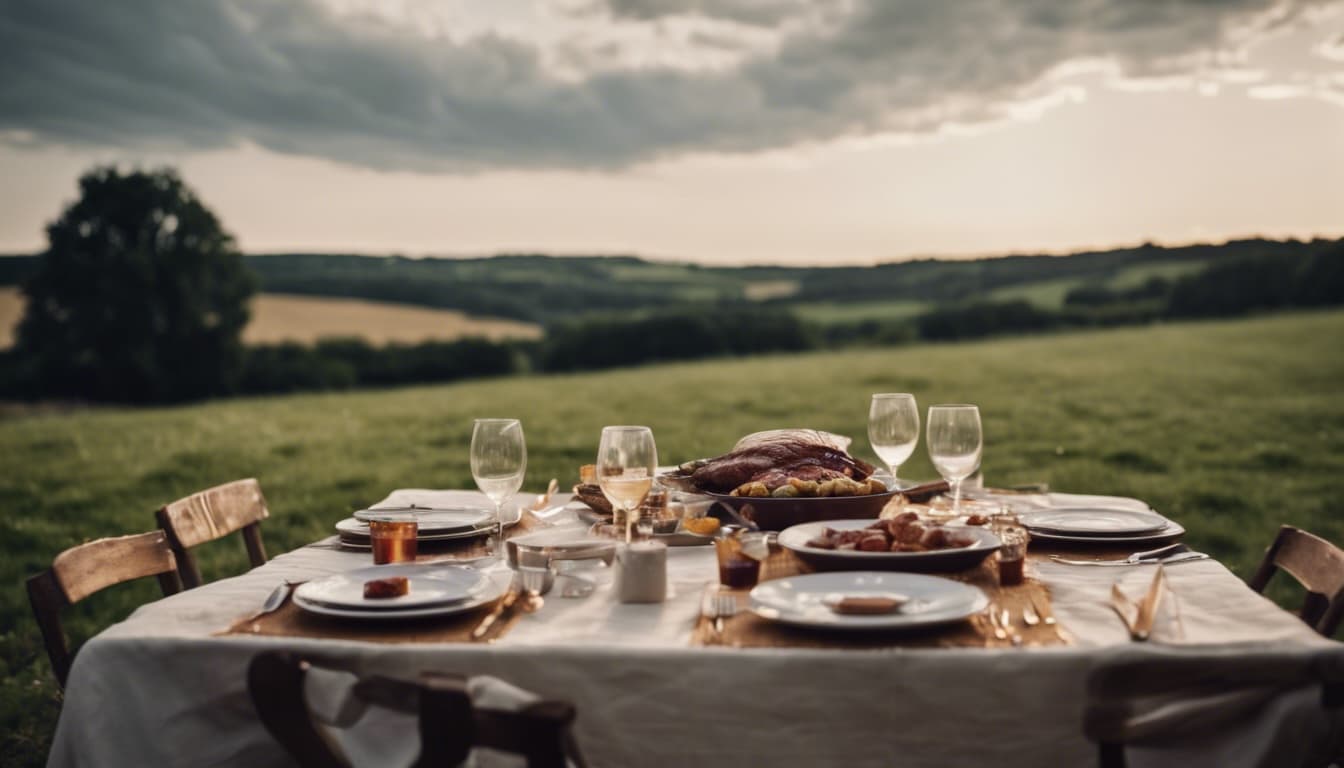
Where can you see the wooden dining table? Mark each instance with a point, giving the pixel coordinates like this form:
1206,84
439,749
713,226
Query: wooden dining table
168,685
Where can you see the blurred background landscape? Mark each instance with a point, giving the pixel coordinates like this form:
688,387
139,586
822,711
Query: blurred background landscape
309,240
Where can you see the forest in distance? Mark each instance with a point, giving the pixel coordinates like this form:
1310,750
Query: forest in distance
611,311
551,289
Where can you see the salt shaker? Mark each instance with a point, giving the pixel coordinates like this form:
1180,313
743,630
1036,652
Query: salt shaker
641,572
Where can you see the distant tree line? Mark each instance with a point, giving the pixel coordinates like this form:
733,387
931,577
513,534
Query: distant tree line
141,297
1239,286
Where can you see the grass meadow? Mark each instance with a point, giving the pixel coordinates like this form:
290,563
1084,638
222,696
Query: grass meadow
1230,427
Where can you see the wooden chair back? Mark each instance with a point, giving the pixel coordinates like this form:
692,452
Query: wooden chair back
1317,565
81,571
449,724
1146,698
213,514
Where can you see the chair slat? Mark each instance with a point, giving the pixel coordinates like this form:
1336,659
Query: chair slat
1317,565
216,512
1143,697
212,514
83,570
449,724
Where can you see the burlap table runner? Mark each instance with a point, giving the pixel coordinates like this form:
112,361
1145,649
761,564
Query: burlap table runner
292,621
746,630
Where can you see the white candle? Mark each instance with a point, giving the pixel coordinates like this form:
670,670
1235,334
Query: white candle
641,572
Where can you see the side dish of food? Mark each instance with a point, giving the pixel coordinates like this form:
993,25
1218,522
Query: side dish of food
392,586
903,533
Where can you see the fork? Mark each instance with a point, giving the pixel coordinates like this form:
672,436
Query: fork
1006,621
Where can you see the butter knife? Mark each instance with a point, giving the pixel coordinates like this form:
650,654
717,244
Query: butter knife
1044,610
1143,622
505,604
1183,557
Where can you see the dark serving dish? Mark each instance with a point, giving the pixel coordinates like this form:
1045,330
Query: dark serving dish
775,514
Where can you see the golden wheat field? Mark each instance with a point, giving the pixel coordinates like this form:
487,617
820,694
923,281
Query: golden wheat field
282,317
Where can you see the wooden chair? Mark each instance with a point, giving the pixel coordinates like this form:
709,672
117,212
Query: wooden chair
1149,699
448,722
210,515
81,571
1317,565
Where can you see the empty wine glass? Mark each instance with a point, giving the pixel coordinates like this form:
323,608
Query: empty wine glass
893,429
498,463
626,462
955,442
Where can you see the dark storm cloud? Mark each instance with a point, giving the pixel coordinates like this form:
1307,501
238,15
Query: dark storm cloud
293,77
753,12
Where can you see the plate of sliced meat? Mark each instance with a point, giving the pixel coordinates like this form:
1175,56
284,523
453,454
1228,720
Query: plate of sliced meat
903,543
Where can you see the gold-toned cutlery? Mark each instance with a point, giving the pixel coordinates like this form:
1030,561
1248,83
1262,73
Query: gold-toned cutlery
991,619
1144,613
1044,610
1006,621
506,604
1029,615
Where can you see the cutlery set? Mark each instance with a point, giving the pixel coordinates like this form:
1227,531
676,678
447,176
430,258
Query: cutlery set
998,622
1139,617
1168,555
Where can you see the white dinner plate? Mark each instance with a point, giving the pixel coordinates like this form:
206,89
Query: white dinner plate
355,533
1173,530
491,592
1093,521
795,539
430,585
802,600
350,527
440,520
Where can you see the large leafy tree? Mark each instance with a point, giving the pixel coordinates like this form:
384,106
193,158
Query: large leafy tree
141,295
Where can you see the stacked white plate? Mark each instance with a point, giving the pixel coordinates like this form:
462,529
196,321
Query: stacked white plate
438,524
435,590
1114,520
927,600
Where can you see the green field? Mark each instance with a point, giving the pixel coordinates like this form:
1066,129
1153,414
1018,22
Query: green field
1045,294
834,312
1229,427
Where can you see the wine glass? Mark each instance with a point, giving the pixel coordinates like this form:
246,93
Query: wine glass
626,462
498,463
893,429
955,442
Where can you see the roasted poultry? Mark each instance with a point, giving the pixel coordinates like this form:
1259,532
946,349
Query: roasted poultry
784,463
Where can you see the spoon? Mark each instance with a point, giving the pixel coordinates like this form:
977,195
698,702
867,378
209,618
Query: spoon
276,599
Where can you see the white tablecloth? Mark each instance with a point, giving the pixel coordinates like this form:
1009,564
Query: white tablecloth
159,689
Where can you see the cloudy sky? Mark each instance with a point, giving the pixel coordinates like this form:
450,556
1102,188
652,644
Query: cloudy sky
727,131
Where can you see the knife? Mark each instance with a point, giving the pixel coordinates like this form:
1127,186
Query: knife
1143,622
505,604
1043,609
1182,557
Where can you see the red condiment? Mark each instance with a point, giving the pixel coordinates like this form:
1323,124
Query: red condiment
739,573
1011,571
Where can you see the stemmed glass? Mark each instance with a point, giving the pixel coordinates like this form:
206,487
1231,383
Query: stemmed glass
626,462
498,463
955,442
893,429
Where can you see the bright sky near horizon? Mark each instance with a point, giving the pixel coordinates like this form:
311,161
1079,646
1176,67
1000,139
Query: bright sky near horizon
718,131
